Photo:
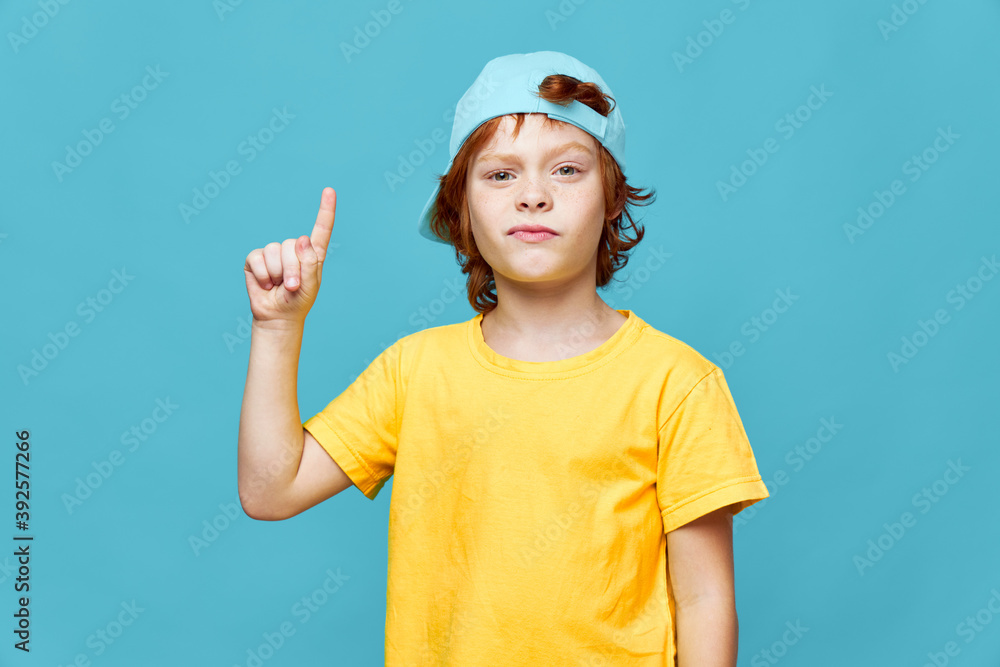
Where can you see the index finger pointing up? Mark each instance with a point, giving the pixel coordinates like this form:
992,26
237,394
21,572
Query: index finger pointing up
320,236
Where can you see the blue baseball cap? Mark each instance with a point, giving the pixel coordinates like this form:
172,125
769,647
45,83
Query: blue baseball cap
509,84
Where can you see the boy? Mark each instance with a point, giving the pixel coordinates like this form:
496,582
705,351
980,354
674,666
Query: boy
564,474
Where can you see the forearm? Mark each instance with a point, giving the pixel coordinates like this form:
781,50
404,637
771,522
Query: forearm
707,633
270,432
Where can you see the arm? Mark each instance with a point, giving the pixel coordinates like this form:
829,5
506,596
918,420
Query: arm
700,564
282,470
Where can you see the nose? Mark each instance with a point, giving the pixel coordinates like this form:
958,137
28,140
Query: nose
534,195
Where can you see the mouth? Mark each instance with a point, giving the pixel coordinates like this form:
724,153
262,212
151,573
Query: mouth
532,233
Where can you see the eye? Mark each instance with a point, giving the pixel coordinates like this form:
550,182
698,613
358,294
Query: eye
575,170
499,172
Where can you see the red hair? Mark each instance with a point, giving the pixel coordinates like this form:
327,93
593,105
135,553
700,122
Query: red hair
451,219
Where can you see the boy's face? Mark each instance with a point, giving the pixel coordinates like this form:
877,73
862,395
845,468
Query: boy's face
547,177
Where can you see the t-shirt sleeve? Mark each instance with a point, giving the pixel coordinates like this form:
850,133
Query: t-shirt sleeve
704,459
360,427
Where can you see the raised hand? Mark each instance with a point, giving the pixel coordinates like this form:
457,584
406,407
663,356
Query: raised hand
283,278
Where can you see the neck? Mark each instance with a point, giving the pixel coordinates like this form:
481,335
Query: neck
547,325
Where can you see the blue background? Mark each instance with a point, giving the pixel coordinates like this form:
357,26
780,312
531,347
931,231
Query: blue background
177,330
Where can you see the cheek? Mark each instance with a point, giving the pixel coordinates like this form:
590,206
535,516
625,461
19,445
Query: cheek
595,219
592,207
590,198
485,206
597,205
475,196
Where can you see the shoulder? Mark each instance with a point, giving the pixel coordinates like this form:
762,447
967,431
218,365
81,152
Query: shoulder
433,344
669,353
678,372
444,334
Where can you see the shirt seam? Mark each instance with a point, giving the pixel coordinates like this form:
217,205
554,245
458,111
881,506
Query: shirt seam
514,375
684,400
397,413
357,456
718,487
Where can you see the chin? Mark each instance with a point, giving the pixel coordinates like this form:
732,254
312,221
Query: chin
530,274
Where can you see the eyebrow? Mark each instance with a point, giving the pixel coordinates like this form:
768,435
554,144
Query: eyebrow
510,157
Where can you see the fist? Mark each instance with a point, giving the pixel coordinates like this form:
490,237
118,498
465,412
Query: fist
283,278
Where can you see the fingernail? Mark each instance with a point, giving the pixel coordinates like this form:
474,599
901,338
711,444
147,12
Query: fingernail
292,282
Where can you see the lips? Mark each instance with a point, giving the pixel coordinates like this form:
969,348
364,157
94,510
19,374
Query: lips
531,228
533,237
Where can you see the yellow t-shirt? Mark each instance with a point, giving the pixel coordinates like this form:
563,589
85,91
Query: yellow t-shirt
531,500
